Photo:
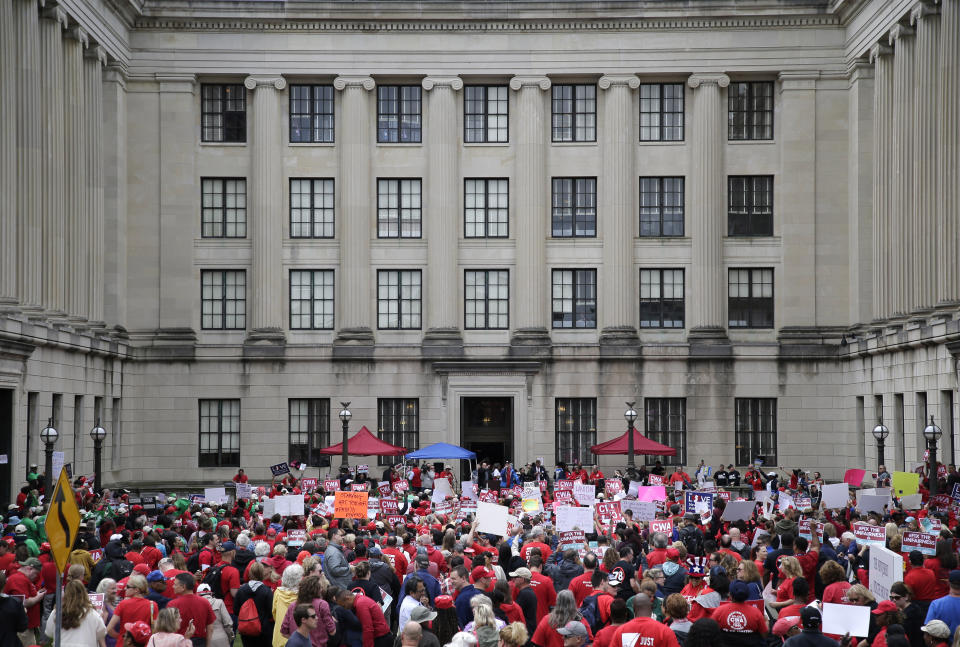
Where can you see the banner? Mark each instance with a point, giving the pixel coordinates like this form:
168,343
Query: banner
350,505
698,502
331,485
874,536
279,468
926,543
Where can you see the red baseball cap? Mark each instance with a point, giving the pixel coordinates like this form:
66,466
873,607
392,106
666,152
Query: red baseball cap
884,607
443,602
140,630
143,569
481,572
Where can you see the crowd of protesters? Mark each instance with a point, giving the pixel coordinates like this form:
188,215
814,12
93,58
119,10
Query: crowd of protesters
191,573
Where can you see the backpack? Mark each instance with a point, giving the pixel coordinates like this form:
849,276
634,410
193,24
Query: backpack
212,578
248,621
590,610
193,562
119,569
692,539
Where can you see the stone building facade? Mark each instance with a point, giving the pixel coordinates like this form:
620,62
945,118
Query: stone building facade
492,228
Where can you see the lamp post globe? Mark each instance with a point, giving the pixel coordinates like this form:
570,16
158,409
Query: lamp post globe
345,416
932,434
49,437
630,415
880,433
98,433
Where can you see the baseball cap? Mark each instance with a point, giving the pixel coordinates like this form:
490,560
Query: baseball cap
143,569
615,578
739,591
375,551
573,628
480,572
522,572
443,602
156,576
955,576
32,562
673,553
227,546
422,614
937,629
204,588
140,630
783,625
810,618
884,607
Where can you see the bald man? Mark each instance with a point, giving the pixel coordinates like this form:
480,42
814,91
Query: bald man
412,632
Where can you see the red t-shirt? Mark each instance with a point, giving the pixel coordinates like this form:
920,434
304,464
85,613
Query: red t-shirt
20,584
545,551
836,592
603,637
151,556
193,607
739,618
135,609
546,595
943,586
170,576
656,557
640,632
229,579
923,582
791,610
581,587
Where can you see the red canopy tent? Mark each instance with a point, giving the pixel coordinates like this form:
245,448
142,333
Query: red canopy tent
364,443
641,445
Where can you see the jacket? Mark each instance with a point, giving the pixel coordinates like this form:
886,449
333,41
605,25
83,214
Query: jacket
263,599
325,625
563,573
282,599
383,576
168,640
222,635
514,477
13,619
810,638
336,567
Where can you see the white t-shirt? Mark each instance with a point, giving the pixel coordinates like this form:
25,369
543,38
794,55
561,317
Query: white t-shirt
89,634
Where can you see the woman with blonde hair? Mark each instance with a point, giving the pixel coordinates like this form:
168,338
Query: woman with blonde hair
165,630
860,595
82,625
791,569
513,635
483,615
283,597
748,572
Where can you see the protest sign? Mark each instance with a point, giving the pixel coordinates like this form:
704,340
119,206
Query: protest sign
444,507
488,496
565,496
467,506
806,526
912,502
96,554
612,486
531,505
441,490
58,458
244,491
279,468
785,502
565,484
941,501
709,486
96,600
854,477
575,539
401,486
835,495
290,505
331,485
655,479
723,494
872,535
394,519
383,487
269,507
761,495
389,506
492,518
358,487
931,525
363,469
574,518
842,619
665,526
739,510
872,502
350,505
803,502
697,502
925,542
642,510
307,484
215,495
296,537
609,512
905,484
651,493
633,488
886,567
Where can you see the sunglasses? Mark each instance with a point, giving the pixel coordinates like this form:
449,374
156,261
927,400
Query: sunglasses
312,615
896,597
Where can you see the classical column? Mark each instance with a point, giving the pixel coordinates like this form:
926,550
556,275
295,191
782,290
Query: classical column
29,257
442,217
76,214
8,157
266,231
948,154
901,177
619,217
355,216
51,80
883,279
93,100
860,190
926,184
531,216
115,193
707,187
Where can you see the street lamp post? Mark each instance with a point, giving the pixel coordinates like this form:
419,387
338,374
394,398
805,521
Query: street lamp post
98,433
49,437
880,433
932,433
345,416
630,415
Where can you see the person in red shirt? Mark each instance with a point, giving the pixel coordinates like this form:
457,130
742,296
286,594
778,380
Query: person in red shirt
581,586
542,587
678,476
241,476
596,475
21,582
150,553
192,607
922,581
618,616
6,555
658,555
800,591
736,617
166,567
395,557
537,536
229,576
562,618
696,585
648,630
376,631
135,607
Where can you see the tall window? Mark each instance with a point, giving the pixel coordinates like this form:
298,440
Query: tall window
311,207
750,205
486,208
661,112
398,113
574,113
750,300
398,208
486,295
574,298
311,113
661,299
398,424
485,114
576,425
666,423
661,206
309,429
398,299
574,207
756,430
750,110
224,299
224,209
311,299
223,112
219,433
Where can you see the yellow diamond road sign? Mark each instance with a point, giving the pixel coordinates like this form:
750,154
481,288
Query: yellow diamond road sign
63,521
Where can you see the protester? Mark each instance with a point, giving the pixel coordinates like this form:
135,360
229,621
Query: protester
165,630
220,633
81,625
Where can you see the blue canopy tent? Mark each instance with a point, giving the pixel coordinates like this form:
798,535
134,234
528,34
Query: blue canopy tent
441,451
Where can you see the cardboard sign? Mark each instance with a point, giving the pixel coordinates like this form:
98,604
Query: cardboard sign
698,502
394,519
358,487
872,535
651,493
331,485
401,486
664,525
806,526
308,484
492,518
905,483
912,502
612,486
389,506
835,495
739,511
442,490
384,488
886,567
655,479
872,502
215,495
244,491
350,505
296,537
565,484
279,468
926,543
290,505
574,518
572,539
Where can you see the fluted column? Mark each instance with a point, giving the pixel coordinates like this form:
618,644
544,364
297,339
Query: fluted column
355,215
93,99
442,216
618,221
860,190
708,206
883,260
948,155
265,223
901,178
531,214
115,193
75,139
8,157
29,156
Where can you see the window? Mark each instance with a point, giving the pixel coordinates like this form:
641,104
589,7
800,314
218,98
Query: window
756,430
661,299
311,114
661,206
309,429
666,423
750,301
398,299
311,208
398,114
224,211
574,298
219,433
311,299
224,112
398,424
486,206
398,208
750,205
661,112
750,110
574,207
576,424
224,296
486,295
574,113
485,114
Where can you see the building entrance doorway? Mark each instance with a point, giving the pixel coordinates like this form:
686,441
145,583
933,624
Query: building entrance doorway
486,427
6,441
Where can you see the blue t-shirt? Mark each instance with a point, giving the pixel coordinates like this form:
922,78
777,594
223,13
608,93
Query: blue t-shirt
946,609
298,640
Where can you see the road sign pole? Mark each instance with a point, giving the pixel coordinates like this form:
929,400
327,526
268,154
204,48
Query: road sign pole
59,612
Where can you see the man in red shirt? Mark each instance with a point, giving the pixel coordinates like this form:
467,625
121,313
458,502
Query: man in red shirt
395,556
6,555
542,587
658,555
376,631
537,535
20,583
678,476
240,477
736,617
643,630
808,559
192,607
170,573
229,577
922,581
580,586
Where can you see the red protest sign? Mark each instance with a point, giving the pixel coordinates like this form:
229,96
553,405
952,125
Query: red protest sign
401,486
487,496
874,535
572,539
331,485
308,484
394,519
940,500
566,496
612,486
565,484
665,526
609,512
384,488
388,506
804,529
654,479
358,487
723,494
922,541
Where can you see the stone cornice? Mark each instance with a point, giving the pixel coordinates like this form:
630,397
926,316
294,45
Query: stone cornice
922,9
518,82
696,80
452,82
609,80
899,31
354,81
255,81
115,73
79,34
98,53
879,50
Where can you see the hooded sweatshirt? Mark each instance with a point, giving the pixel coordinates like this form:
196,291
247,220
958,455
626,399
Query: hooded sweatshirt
676,577
282,599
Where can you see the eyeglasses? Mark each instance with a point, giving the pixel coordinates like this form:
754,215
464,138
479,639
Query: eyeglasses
895,597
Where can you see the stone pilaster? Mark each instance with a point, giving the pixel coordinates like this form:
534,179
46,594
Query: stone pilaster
77,217
355,217
443,189
8,157
707,189
29,257
948,154
883,279
531,216
115,193
93,101
901,178
618,224
266,231
859,190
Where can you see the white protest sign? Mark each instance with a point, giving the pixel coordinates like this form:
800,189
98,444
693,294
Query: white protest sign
57,464
912,502
571,518
215,495
244,491
872,502
492,518
738,510
642,510
470,490
841,619
290,505
761,495
886,567
441,490
584,493
785,501
835,495
269,508
634,488
3,459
